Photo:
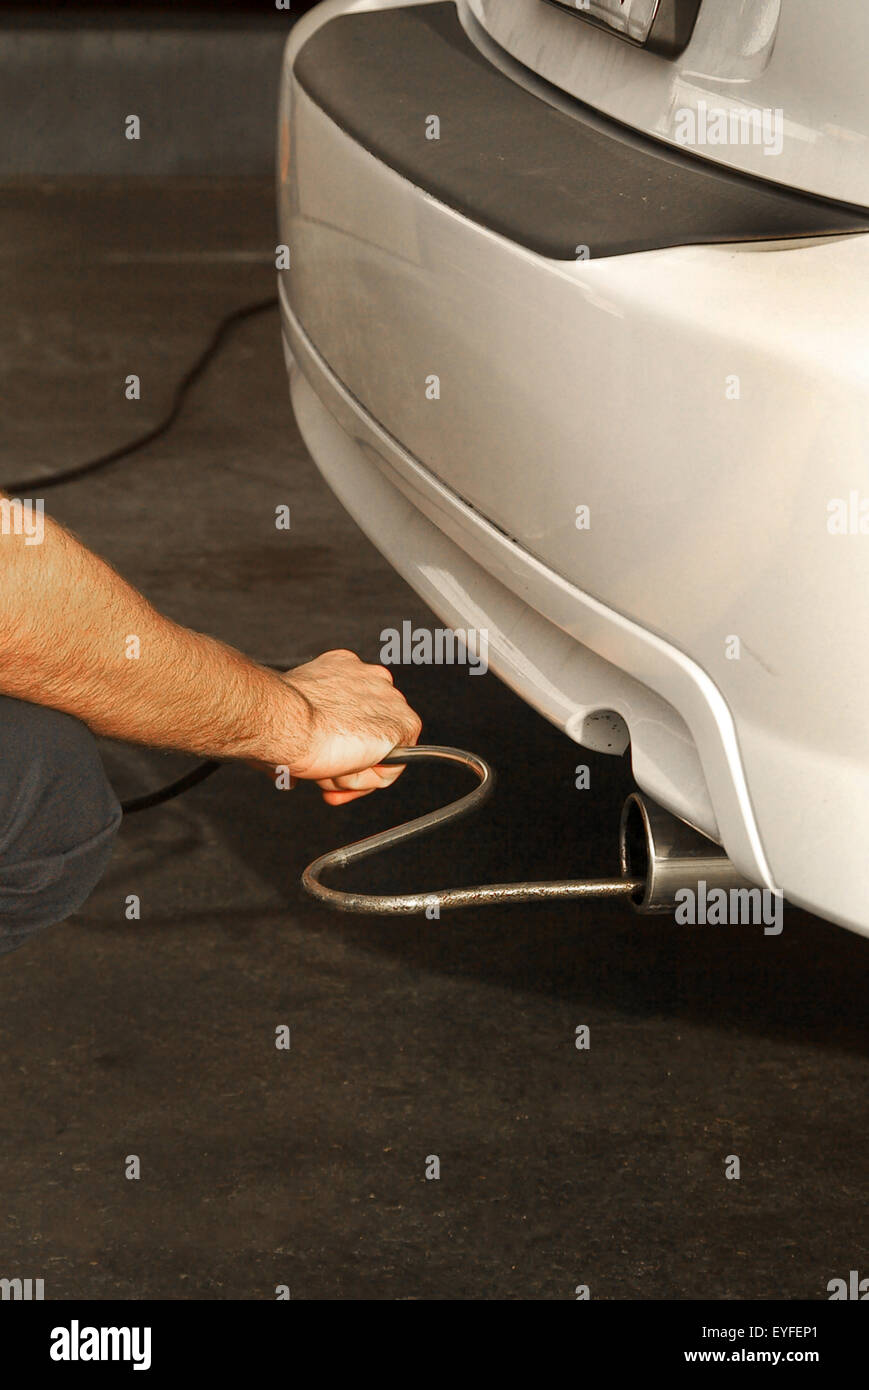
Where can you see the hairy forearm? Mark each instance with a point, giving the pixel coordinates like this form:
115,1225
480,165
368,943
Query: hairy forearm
74,635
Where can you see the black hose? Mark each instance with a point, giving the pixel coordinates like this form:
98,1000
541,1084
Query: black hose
191,376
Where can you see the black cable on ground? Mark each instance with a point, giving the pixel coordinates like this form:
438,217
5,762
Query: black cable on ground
35,486
171,789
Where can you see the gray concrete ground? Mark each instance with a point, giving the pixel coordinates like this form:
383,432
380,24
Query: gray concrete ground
203,86
307,1168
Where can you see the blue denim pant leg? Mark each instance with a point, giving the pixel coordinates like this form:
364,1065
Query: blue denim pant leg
58,818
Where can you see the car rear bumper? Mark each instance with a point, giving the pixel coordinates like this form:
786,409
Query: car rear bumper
704,402
563,651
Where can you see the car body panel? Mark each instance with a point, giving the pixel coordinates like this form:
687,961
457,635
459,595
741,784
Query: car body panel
704,403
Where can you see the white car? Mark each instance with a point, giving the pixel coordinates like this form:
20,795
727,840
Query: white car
575,314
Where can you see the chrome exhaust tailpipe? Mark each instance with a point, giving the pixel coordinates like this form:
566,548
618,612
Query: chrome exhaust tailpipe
668,855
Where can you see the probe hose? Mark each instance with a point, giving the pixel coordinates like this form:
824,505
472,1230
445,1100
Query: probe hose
387,904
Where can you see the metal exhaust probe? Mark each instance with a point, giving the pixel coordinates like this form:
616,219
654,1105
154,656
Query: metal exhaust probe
664,854
385,904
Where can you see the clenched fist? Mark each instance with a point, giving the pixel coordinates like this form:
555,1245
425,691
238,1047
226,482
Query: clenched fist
356,717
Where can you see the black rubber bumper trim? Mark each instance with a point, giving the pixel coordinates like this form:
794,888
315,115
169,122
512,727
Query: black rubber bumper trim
548,180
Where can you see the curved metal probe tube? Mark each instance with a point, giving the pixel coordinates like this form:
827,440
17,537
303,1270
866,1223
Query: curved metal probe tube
385,904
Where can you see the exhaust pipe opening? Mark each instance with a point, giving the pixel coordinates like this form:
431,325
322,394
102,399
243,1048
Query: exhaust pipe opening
634,840
668,855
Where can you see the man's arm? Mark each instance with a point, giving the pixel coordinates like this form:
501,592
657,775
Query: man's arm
69,630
